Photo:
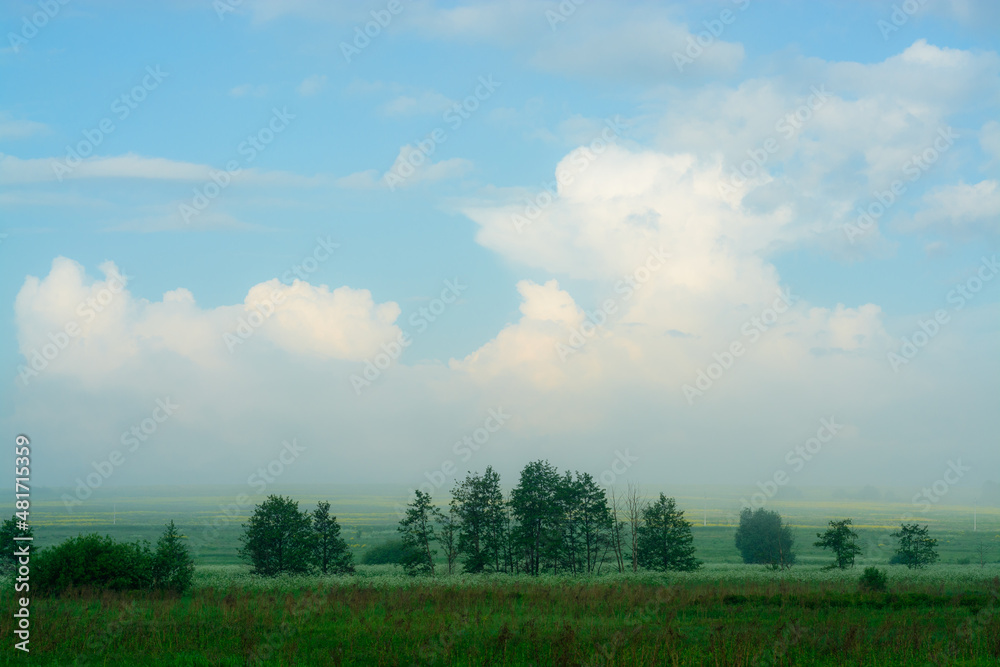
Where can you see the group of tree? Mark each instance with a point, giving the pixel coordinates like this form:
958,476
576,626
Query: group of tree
548,523
763,537
280,538
95,561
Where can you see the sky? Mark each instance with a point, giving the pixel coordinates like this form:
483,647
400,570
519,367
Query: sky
393,241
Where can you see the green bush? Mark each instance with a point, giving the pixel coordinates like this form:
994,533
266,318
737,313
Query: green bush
874,580
93,561
392,552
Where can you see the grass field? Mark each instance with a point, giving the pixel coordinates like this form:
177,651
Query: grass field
720,615
726,613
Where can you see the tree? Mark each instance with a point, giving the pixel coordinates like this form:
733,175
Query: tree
173,567
665,541
916,547
616,530
982,550
478,503
537,515
278,538
332,553
634,506
762,537
417,532
448,537
843,541
8,531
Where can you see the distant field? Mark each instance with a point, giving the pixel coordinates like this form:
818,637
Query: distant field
367,514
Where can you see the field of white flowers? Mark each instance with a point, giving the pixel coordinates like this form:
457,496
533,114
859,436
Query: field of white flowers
392,576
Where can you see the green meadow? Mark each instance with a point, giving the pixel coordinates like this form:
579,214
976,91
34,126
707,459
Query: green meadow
726,613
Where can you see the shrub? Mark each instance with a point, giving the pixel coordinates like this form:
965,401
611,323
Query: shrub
94,561
392,552
874,580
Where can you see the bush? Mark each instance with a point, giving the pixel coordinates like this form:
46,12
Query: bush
94,561
390,552
874,580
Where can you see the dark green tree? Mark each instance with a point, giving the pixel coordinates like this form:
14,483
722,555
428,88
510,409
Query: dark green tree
762,537
389,552
842,540
173,567
478,503
448,537
537,516
8,531
416,529
279,538
916,547
665,540
332,553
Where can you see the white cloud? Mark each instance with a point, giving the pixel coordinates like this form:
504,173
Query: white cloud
312,85
19,129
427,102
118,329
248,90
961,208
402,173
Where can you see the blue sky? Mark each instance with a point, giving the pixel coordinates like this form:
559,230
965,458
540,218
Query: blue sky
333,128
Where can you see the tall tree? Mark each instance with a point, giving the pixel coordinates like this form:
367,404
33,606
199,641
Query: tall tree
173,567
916,548
665,540
843,541
762,537
479,505
278,538
536,514
594,519
448,536
617,527
417,531
634,505
333,555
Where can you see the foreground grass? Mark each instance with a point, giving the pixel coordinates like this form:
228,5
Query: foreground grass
746,616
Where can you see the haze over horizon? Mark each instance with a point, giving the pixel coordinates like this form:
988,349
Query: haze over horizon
654,239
